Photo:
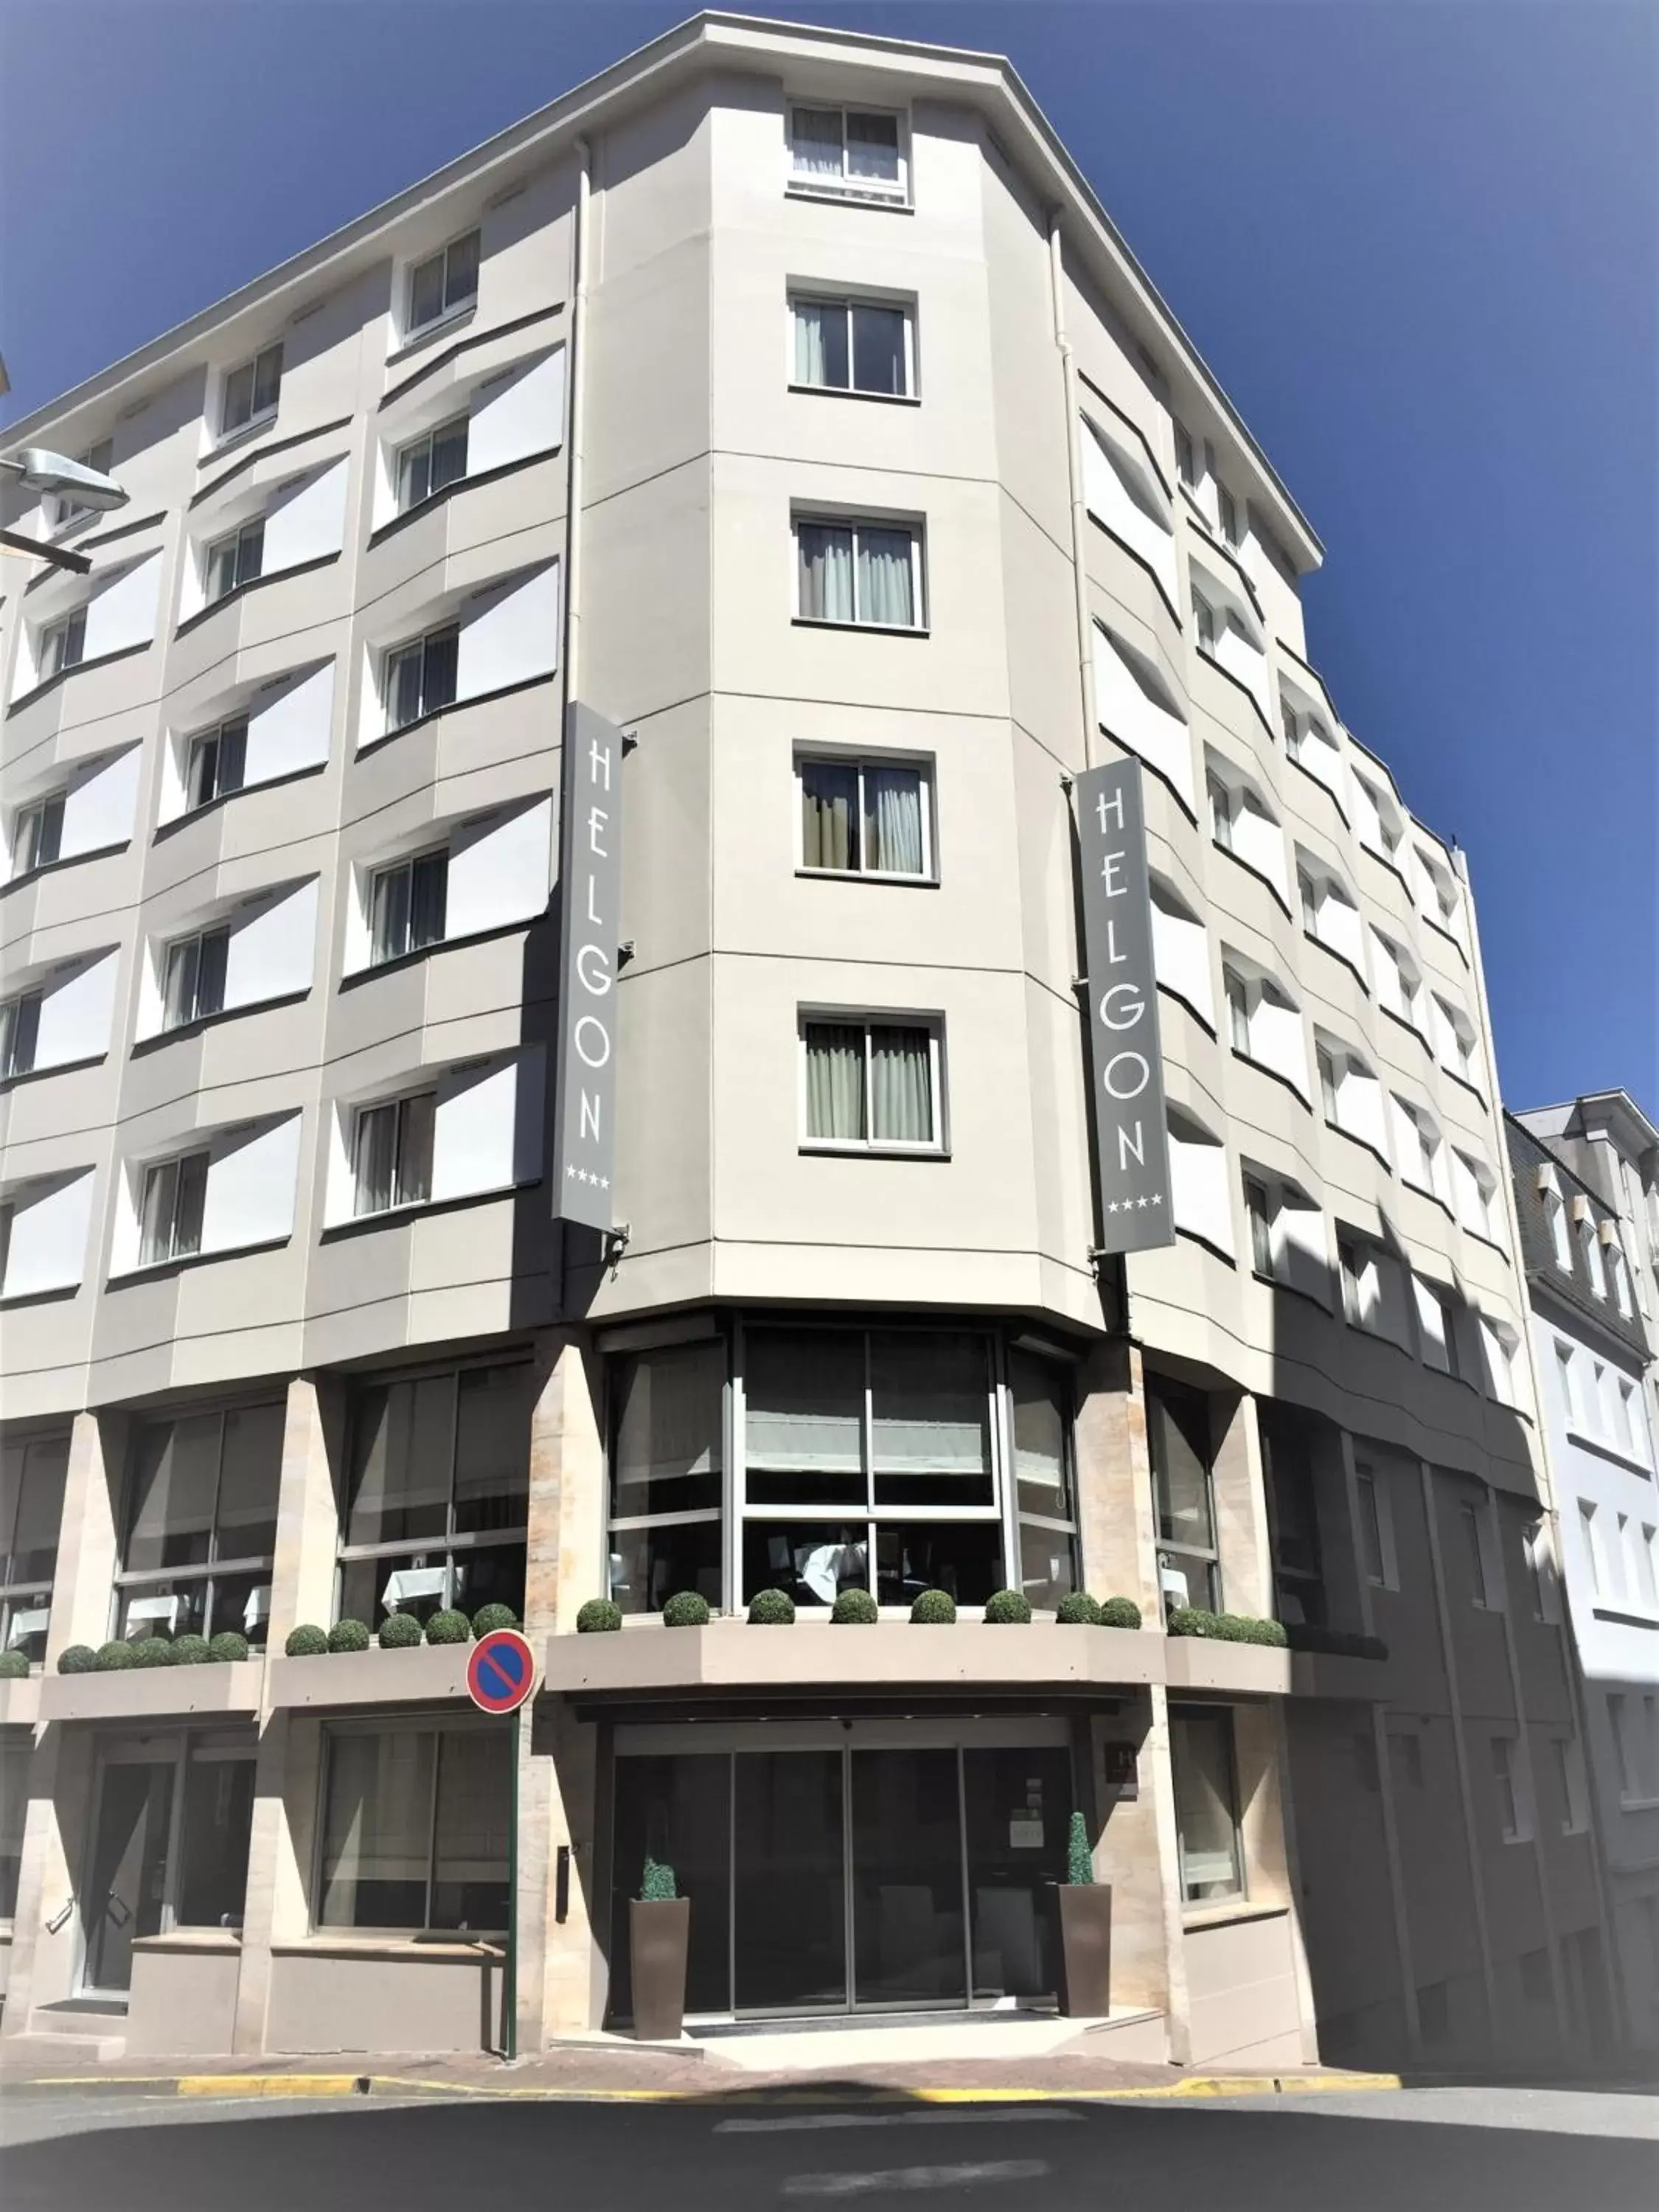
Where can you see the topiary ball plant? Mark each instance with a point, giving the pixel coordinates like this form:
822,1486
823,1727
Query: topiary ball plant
1079,1861
1119,1613
77,1659
307,1641
489,1618
399,1630
855,1608
115,1656
1007,1606
657,1883
228,1646
190,1650
142,1630
1190,1621
349,1636
934,1608
449,1627
153,1651
599,1617
771,1608
686,1609
14,1666
1077,1609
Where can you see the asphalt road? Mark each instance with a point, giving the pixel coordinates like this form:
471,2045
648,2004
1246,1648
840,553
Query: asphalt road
1406,2154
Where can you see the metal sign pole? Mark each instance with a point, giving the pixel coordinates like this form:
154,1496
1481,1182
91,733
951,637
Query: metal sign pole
510,1965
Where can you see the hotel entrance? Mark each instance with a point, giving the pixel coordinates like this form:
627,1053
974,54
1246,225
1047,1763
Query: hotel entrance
854,1868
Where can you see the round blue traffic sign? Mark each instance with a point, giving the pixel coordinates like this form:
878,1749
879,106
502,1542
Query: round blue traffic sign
501,1673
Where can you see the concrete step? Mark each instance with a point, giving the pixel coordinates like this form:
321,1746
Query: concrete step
71,2049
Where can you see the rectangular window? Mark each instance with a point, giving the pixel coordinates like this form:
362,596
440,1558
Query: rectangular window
1575,1800
862,574
1207,1804
194,986
1178,1442
233,561
420,677
19,1030
1374,1544
852,345
1203,621
16,1748
199,1523
871,1084
1512,1821
666,1430
1287,1466
414,1829
1474,1554
1186,459
407,905
175,1193
31,1475
867,818
1590,1245
218,761
63,645
251,391
443,284
37,835
1354,1265
1221,812
850,153
1259,1214
1327,1084
437,1492
1227,506
66,508
1238,1010
1040,1426
1566,1370
1589,1529
424,467
1291,722
392,1153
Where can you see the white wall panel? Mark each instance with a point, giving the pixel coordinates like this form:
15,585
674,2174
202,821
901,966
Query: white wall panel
1276,1040
122,612
1431,1326
1359,1108
48,1246
509,632
1131,709
1260,841
500,869
289,724
472,1145
99,805
520,413
1120,492
1200,1189
273,951
306,520
250,1182
1300,1255
77,1008
1181,954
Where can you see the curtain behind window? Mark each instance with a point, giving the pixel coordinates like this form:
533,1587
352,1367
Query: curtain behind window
900,1086
829,809
175,1473
892,821
1040,1397
835,1081
821,344
872,147
666,1456
885,592
825,556
1205,1820
816,141
878,350
929,1403
376,1153
377,1831
803,1411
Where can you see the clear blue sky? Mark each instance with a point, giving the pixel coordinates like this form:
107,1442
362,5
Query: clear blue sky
1418,243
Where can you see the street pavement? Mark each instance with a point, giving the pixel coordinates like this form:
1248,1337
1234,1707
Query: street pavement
1416,2150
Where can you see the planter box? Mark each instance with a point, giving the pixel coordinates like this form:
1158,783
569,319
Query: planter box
19,1701
1202,1662
419,1675
230,1686
658,1937
1085,1950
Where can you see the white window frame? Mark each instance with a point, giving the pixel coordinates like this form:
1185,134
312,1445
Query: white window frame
389,659
1575,1791
873,190
232,726
1361,1282
450,311
921,765
150,1251
1258,1220
806,295
61,645
412,446
853,524
255,528
1368,1487
400,1203
176,948
256,415
1590,1245
405,866
871,1019
66,508
20,1020
27,826
1508,1772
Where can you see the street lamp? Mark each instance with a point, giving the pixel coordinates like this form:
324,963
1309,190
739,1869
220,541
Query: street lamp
38,469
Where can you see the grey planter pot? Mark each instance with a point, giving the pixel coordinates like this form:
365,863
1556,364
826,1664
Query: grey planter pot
658,1934
1085,1949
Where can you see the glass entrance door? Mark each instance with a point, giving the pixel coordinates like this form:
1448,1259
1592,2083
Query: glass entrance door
127,1894
788,1882
906,1878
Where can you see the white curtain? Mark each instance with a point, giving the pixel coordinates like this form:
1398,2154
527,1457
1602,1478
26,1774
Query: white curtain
885,592
829,804
835,1080
892,821
376,1155
816,139
826,571
900,1086
821,342
928,1404
1037,1394
377,1828
872,147
804,1403
669,1422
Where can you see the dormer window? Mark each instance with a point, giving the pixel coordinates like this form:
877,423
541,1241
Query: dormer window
853,153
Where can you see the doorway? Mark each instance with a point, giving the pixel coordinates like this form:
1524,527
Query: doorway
894,1874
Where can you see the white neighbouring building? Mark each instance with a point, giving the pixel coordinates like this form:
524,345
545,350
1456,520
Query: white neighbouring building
787,398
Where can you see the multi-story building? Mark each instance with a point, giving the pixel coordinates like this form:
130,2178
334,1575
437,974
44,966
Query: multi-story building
1584,1184
787,399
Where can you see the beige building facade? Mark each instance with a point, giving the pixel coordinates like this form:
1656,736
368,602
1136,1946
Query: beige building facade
787,398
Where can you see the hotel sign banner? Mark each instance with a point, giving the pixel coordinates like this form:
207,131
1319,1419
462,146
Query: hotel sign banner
1132,1144
590,900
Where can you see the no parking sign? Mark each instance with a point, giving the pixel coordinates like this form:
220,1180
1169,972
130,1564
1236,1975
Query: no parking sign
501,1673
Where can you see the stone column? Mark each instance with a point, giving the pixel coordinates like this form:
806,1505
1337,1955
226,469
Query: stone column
1158,1780
1241,1512
1127,1855
86,1544
1114,1477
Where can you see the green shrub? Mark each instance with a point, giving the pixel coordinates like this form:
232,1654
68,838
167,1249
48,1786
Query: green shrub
76,1659
599,1617
1119,1613
1007,1607
143,1631
489,1618
306,1642
14,1666
115,1656
229,1644
1077,1609
349,1636
686,1609
153,1651
1191,1620
657,1883
1079,1864
1225,1627
190,1650
771,1608
449,1627
854,1609
934,1608
399,1630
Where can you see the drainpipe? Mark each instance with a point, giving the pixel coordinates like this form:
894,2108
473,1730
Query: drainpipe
578,418
1074,472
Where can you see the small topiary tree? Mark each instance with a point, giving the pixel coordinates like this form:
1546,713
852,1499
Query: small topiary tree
1119,1613
349,1636
771,1608
153,1651
190,1650
1190,1621
1007,1606
934,1608
599,1617
1079,1861
399,1630
115,1656
307,1641
855,1608
1077,1609
449,1627
686,1609
14,1666
228,1646
142,1630
76,1659
489,1618
657,1883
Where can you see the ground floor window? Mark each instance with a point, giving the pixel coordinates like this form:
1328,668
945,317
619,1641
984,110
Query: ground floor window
1207,1803
1178,1441
13,1806
414,1829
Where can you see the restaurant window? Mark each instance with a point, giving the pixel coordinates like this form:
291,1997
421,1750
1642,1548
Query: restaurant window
1293,1519
199,1531
1044,1474
1207,1803
32,1472
666,1413
1178,1442
15,1746
414,1829
437,1502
